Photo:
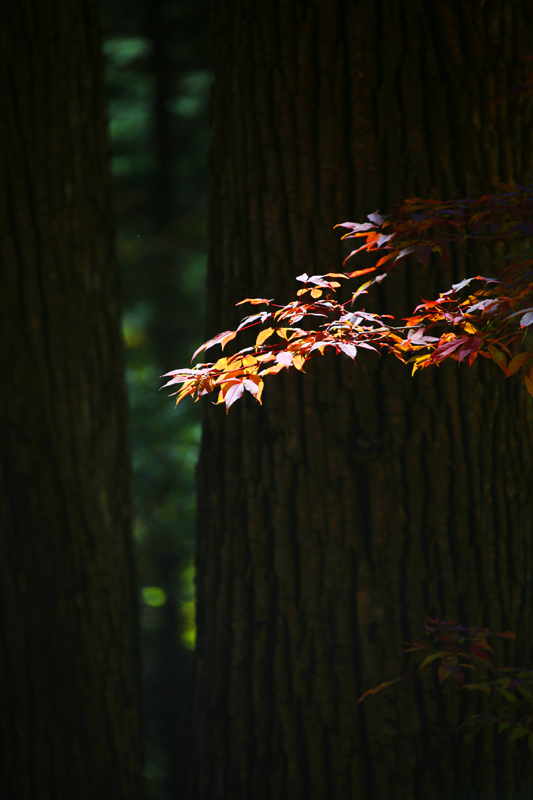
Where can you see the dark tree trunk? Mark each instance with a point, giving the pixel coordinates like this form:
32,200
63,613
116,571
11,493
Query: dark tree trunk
356,494
68,652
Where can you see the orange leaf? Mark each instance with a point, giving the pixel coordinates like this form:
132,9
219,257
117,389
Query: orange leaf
385,259
360,272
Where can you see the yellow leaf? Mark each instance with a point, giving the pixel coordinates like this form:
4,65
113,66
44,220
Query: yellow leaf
188,388
263,335
273,370
419,362
316,293
361,289
469,328
298,362
263,358
254,377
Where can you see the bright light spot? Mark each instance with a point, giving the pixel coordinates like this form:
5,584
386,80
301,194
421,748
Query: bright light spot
188,607
124,51
154,596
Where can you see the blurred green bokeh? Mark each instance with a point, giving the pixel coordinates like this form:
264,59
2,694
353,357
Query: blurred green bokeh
158,84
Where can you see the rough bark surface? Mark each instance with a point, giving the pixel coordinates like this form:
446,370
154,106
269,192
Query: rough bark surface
68,646
358,495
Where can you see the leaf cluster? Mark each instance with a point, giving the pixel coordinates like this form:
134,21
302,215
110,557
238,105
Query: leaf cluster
466,655
479,316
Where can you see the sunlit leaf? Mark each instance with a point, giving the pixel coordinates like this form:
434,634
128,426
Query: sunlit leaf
212,342
284,358
263,335
359,272
233,394
349,349
298,362
255,301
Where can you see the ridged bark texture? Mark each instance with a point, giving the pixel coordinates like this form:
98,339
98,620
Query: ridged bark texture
356,496
69,721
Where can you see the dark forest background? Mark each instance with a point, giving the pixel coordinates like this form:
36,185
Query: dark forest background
158,82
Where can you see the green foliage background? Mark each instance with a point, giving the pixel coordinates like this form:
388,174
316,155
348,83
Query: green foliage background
158,82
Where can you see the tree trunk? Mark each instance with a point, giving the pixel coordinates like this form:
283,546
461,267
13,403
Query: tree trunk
68,652
356,496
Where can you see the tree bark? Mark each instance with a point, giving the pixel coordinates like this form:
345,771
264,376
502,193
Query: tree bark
357,496
68,654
